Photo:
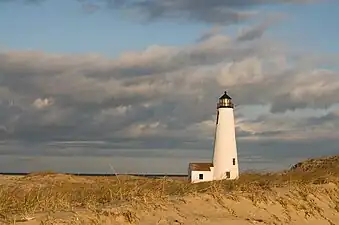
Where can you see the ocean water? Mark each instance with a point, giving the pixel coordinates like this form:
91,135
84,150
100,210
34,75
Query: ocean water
154,161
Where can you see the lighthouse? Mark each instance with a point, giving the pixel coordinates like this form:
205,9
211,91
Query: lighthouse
225,157
224,163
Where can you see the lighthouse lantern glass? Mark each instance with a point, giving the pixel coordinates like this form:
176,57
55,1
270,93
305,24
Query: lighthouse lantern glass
225,103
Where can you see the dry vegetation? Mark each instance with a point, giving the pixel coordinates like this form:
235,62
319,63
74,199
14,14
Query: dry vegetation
65,199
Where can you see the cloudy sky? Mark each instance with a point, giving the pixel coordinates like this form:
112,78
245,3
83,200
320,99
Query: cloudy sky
131,86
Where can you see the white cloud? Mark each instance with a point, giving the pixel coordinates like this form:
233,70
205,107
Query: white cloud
248,71
145,129
43,103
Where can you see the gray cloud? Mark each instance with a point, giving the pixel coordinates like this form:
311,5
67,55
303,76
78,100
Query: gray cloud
163,97
258,30
210,33
294,126
212,11
23,1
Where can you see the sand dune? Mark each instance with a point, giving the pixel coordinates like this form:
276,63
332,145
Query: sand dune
280,207
306,194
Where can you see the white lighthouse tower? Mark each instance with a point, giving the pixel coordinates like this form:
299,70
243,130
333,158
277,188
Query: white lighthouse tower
225,156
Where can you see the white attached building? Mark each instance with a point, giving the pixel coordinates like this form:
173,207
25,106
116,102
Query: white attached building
199,172
225,156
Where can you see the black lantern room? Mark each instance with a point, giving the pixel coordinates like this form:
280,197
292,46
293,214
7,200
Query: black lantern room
225,101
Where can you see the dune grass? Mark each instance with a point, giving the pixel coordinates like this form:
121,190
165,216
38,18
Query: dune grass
49,192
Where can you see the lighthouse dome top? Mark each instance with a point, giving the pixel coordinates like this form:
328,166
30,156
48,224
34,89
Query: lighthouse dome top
225,96
225,101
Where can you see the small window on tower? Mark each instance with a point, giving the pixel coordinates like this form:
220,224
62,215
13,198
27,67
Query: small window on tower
228,174
201,176
217,117
233,161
